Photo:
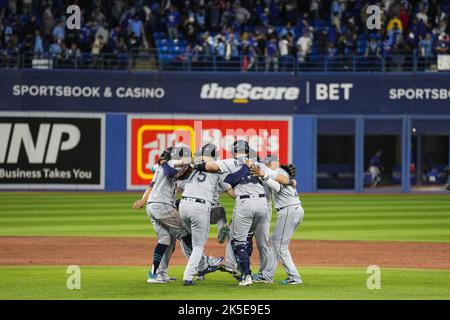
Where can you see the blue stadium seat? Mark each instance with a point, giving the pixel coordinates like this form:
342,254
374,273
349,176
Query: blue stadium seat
161,42
163,49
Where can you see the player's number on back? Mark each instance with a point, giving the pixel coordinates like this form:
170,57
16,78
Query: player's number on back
201,176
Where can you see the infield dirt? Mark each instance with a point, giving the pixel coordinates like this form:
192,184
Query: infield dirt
103,251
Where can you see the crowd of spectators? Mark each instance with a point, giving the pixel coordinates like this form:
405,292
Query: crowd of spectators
267,33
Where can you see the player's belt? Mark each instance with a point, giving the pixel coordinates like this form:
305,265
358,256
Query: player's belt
247,196
194,199
291,205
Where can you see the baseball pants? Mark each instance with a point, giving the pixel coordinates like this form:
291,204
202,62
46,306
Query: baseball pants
167,223
288,219
248,215
163,269
196,218
261,234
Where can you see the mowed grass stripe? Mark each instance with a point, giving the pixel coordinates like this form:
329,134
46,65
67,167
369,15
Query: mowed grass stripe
360,217
129,283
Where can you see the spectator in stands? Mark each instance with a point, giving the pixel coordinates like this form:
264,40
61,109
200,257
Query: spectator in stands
136,27
200,18
220,52
173,20
322,43
304,45
215,11
284,48
190,30
59,31
248,52
271,54
232,51
314,8
242,15
73,54
426,46
411,43
442,45
55,48
97,47
38,44
49,20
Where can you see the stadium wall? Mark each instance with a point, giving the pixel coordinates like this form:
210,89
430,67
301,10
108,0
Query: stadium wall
103,105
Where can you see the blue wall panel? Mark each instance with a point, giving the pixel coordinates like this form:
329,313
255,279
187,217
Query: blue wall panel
116,152
304,153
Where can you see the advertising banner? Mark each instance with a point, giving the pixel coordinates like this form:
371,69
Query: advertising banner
51,150
149,135
209,93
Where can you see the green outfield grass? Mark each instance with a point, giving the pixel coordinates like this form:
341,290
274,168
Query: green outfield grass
334,217
129,283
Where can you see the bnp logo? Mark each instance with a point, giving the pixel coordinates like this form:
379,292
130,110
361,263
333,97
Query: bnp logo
74,19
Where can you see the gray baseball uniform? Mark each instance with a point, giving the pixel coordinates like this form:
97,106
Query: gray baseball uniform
289,216
218,214
164,217
195,206
251,209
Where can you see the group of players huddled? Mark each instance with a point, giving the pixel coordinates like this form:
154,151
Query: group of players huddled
254,184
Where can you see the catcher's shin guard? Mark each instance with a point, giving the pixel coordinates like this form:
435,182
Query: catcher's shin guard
243,259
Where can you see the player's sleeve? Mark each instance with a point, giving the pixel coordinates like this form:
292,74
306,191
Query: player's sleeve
168,170
270,173
235,177
228,165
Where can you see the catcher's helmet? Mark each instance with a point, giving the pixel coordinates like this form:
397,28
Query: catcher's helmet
241,146
209,150
181,152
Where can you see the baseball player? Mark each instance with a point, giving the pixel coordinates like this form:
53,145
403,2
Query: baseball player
195,210
160,199
251,206
218,213
289,216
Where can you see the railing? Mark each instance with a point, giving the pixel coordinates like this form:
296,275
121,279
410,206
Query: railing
157,61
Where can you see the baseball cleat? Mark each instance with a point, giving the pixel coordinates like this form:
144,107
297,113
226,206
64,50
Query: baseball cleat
188,283
246,281
167,278
258,277
209,269
200,278
289,281
223,234
215,262
156,278
230,268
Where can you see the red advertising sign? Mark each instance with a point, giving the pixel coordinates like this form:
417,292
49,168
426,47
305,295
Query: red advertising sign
148,137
